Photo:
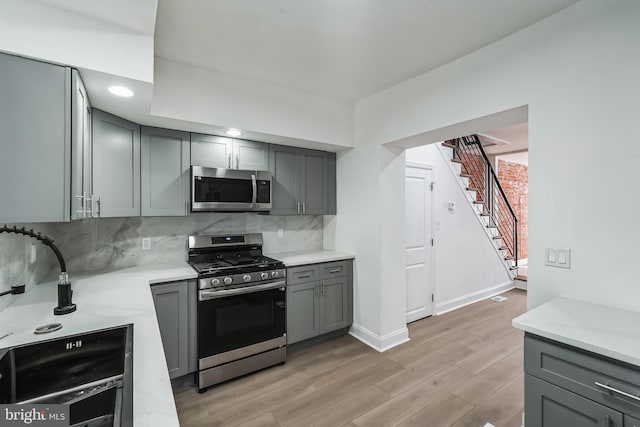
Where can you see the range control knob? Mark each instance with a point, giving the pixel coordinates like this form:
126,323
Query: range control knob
228,280
264,276
274,274
215,281
246,278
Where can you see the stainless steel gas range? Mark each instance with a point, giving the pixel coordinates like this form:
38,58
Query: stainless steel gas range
241,307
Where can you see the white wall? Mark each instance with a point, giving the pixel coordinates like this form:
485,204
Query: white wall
577,71
193,94
466,265
38,30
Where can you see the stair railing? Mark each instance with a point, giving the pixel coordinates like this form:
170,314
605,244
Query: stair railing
489,193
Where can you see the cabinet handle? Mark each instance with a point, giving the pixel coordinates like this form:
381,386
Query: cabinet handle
607,421
82,210
298,208
304,208
322,284
99,206
229,162
304,276
317,290
237,161
186,208
615,390
335,270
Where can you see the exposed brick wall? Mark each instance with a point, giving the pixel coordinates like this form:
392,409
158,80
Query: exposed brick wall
514,179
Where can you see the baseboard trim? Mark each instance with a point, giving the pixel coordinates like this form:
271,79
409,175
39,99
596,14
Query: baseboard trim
452,304
520,284
377,342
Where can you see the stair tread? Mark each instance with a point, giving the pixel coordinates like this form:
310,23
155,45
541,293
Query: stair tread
497,237
472,189
508,258
485,214
446,144
456,161
464,175
521,278
479,202
515,267
503,248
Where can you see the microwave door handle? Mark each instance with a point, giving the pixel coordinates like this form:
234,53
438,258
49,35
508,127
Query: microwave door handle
254,184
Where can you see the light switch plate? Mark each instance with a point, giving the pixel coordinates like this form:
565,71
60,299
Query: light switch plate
280,233
554,257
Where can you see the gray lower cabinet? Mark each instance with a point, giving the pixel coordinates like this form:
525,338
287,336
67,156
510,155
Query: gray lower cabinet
35,140
175,304
116,166
303,181
319,299
566,386
220,152
164,180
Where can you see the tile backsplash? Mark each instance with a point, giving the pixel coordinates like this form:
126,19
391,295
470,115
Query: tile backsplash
112,243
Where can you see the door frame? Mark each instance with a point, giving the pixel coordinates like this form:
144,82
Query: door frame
430,167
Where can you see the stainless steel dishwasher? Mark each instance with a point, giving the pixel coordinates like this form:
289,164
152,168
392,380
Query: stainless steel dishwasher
89,372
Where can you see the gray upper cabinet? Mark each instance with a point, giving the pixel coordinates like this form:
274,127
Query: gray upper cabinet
250,155
220,152
35,141
116,166
165,159
81,171
303,181
211,151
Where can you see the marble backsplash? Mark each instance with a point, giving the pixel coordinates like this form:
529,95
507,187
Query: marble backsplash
113,243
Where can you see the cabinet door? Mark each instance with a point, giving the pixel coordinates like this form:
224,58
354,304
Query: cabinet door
547,405
164,172
285,168
211,151
35,121
631,422
172,305
331,184
303,312
334,304
116,165
81,187
314,182
250,155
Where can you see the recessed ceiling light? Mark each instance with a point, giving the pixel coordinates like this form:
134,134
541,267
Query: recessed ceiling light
121,91
233,132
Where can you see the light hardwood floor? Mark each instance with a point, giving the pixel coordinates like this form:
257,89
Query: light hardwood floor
463,368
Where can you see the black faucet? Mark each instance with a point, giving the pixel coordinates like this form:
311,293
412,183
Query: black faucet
65,292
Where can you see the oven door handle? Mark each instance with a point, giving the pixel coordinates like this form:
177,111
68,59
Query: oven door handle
254,185
211,294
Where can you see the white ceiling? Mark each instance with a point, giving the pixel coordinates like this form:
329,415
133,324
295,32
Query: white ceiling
340,49
508,139
521,158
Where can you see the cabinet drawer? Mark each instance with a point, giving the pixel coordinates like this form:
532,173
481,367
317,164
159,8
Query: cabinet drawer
631,422
333,269
302,274
584,373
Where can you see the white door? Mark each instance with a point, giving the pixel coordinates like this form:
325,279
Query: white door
418,243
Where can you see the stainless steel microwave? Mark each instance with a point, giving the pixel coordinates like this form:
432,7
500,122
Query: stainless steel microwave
217,189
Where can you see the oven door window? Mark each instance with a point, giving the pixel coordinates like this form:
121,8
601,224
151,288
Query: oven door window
226,324
225,190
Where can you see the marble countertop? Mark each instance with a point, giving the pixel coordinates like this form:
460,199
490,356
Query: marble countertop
314,256
106,300
598,328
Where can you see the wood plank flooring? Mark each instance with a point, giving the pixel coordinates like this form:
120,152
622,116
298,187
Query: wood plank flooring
463,368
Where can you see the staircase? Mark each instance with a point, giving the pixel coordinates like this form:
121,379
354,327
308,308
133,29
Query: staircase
487,196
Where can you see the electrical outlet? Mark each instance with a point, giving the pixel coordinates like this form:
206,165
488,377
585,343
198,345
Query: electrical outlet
280,233
146,243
